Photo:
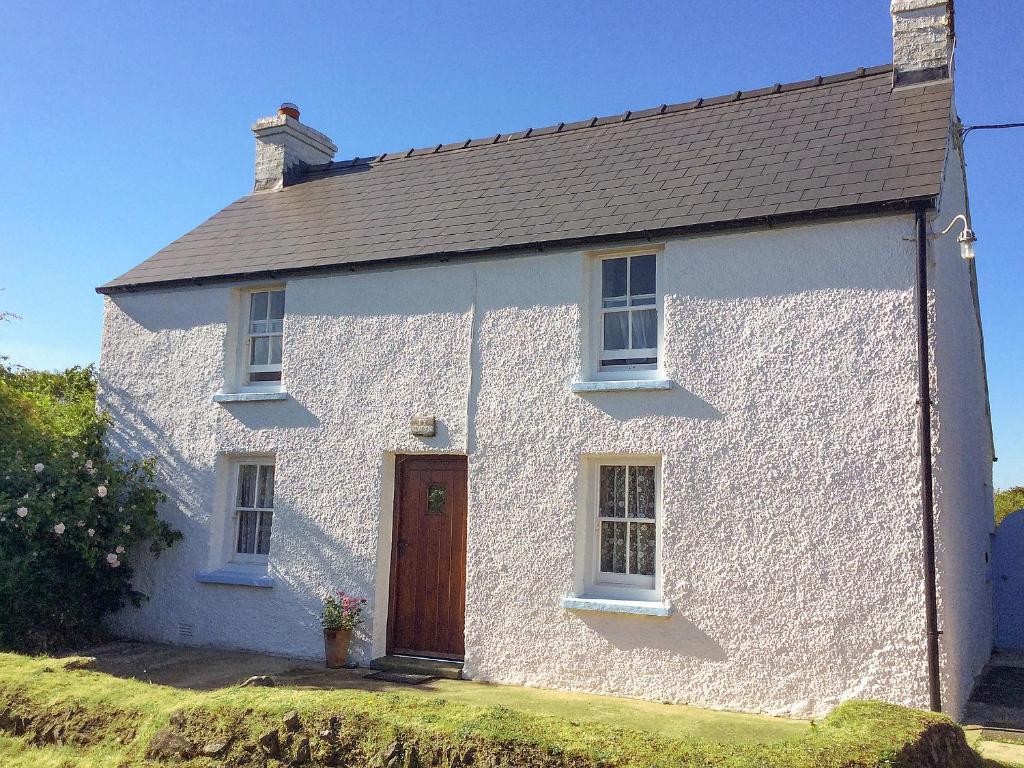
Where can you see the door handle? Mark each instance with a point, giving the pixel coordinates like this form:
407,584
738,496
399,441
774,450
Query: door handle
402,546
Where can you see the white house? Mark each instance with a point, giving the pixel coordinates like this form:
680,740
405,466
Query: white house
686,404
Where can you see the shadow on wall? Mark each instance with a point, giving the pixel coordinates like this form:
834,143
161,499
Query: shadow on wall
135,435
790,260
317,559
675,403
284,414
164,310
1008,582
308,561
675,634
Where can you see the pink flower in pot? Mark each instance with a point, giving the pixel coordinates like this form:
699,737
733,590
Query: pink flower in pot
342,613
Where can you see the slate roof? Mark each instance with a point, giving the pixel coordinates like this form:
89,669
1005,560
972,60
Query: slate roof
843,143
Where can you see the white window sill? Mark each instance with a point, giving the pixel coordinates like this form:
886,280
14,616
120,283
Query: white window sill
236,578
621,385
606,605
248,397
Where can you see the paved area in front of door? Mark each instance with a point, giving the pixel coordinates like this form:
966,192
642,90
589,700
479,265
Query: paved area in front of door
209,669
995,712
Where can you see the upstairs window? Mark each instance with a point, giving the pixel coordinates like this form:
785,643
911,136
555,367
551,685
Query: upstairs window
264,337
628,314
253,510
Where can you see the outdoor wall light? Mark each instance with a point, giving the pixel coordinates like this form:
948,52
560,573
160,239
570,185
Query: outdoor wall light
966,238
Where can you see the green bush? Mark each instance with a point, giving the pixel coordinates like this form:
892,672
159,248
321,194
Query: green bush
1008,502
71,513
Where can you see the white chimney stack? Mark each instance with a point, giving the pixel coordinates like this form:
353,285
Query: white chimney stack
285,148
922,40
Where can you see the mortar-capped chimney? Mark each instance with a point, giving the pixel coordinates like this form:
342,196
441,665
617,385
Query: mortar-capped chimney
285,148
923,36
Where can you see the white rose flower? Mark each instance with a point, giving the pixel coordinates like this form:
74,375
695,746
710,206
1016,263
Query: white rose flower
59,528
21,512
111,558
74,454
115,564
126,528
101,491
88,464
38,468
80,523
119,550
91,531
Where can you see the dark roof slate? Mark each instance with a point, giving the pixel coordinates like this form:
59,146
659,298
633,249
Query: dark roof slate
837,142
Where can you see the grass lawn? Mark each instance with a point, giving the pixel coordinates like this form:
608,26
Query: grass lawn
78,718
672,720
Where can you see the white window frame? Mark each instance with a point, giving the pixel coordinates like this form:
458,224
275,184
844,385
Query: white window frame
591,581
234,511
244,342
594,337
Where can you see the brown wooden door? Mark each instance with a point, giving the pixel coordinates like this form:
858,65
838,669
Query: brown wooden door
428,557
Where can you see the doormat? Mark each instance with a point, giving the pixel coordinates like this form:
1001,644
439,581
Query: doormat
406,678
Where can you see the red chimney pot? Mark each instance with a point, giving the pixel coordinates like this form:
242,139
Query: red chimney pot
289,109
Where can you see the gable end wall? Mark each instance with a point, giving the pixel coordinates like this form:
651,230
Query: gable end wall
962,454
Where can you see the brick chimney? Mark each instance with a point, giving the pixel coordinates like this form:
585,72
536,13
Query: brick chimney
922,40
285,148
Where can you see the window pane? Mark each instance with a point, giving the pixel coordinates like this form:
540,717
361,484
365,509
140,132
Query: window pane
275,350
641,492
645,329
263,542
265,376
276,305
612,492
259,350
642,548
263,327
613,278
258,306
641,275
246,544
246,485
616,330
265,487
613,547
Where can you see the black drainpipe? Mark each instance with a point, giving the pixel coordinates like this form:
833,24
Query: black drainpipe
925,449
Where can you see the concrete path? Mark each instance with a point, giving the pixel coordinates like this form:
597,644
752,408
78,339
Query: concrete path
995,712
200,669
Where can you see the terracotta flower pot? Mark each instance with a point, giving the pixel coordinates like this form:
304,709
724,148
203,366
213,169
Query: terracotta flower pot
336,643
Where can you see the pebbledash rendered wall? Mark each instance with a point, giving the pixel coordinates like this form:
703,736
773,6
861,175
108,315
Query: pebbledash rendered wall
791,496
962,435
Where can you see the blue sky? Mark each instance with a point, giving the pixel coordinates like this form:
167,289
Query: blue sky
125,125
